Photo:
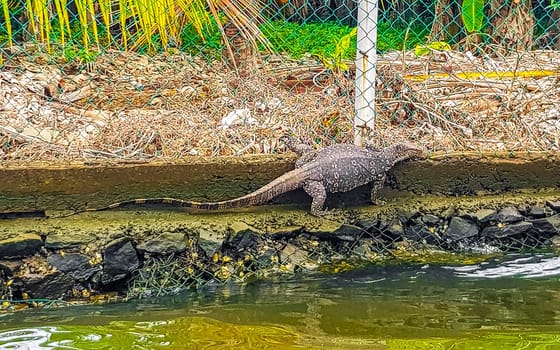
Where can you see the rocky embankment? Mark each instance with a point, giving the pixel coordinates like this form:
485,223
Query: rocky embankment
145,251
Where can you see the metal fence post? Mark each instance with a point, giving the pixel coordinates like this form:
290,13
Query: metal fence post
366,58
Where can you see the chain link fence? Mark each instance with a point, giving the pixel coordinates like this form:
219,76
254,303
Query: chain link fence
137,80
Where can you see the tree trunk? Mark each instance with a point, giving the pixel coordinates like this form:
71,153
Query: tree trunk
512,24
241,54
445,25
550,39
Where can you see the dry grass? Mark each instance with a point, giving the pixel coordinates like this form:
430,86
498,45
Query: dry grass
132,107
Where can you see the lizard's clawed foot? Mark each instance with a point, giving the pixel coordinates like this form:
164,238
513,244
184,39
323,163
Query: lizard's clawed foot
319,213
331,214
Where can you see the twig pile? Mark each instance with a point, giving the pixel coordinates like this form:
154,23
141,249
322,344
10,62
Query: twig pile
127,106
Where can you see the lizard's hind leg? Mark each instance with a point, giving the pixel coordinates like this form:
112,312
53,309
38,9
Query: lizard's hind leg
319,195
378,183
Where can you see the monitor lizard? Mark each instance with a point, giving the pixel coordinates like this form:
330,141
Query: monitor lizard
336,168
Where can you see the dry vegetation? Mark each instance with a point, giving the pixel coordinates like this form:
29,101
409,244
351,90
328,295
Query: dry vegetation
134,107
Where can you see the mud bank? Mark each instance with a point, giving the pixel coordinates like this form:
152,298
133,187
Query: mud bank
439,209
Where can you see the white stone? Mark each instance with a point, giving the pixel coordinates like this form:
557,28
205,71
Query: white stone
260,106
238,117
274,103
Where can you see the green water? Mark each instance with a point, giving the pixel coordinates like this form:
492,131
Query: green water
511,303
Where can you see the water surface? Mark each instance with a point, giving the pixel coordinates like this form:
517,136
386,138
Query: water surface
505,303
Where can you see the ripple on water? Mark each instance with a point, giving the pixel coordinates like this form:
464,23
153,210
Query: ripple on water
534,266
32,338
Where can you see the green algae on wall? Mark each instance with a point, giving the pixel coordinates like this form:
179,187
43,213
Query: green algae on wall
72,186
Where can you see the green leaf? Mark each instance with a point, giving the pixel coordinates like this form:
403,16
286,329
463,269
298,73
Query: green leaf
472,14
343,44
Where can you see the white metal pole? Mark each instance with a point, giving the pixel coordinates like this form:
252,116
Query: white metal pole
366,59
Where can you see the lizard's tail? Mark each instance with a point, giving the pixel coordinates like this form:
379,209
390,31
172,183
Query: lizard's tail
289,181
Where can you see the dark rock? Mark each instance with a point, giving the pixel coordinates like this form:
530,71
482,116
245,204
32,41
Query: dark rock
537,212
53,285
76,265
430,219
9,267
238,227
209,247
460,228
165,244
482,216
507,230
242,235
421,233
367,223
25,244
554,205
394,228
347,232
240,243
549,226
66,240
405,214
266,258
509,215
119,260
335,230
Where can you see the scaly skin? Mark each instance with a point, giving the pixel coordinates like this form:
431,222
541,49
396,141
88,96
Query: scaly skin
337,168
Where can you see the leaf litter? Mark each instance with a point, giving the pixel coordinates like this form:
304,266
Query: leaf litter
127,106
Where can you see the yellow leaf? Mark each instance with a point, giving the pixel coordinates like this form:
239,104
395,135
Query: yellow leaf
422,50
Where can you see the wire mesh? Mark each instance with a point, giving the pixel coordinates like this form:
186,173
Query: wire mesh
247,256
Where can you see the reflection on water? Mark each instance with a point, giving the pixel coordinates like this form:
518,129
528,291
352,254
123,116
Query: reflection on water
498,304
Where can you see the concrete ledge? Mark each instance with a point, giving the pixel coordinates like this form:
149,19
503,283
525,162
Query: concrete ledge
39,186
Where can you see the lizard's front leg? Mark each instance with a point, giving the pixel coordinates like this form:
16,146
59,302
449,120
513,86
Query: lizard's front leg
319,194
306,158
295,146
305,152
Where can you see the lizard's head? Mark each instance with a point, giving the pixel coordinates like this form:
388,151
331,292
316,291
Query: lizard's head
408,150
288,140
